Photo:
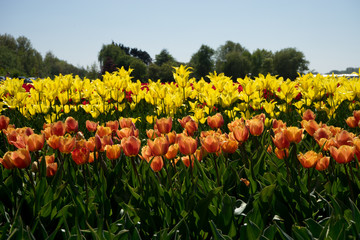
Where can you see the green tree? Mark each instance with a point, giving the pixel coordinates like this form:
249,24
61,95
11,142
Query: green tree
30,59
262,62
93,71
113,56
163,67
289,62
163,57
53,66
233,60
202,61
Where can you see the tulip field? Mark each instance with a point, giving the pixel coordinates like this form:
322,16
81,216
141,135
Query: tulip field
215,158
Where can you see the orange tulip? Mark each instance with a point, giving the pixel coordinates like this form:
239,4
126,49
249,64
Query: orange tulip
344,138
293,134
351,122
131,146
172,151
90,144
356,115
356,144
6,161
105,141
310,126
334,130
204,134
113,125
159,146
343,154
322,163
17,139
229,146
187,145
113,151
261,117
215,121
189,124
171,136
146,153
278,124
308,115
184,120
164,125
58,128
46,132
21,158
103,131
66,144
280,140
241,133
211,144
237,122
91,156
309,159
127,132
4,122
71,125
281,153
156,163
80,155
51,165
322,132
91,126
152,134
256,126
197,156
54,142
191,127
35,142
126,123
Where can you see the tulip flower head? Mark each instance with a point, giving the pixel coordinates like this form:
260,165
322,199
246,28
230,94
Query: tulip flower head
159,146
71,125
113,151
164,125
80,155
91,126
187,145
343,154
131,146
4,122
215,121
309,159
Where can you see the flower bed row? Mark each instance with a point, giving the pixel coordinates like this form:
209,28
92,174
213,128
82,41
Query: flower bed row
240,179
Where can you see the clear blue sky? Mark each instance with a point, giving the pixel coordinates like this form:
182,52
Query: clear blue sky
326,31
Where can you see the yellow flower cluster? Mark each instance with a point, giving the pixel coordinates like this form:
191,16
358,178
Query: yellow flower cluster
240,97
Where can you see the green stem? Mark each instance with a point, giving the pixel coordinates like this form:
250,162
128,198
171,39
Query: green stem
217,171
350,185
135,169
87,191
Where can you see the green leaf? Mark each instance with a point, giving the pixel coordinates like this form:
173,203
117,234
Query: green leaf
267,193
217,234
45,211
301,233
252,230
283,233
269,232
314,227
356,215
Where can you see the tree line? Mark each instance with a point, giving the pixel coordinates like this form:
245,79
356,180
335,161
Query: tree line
19,58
